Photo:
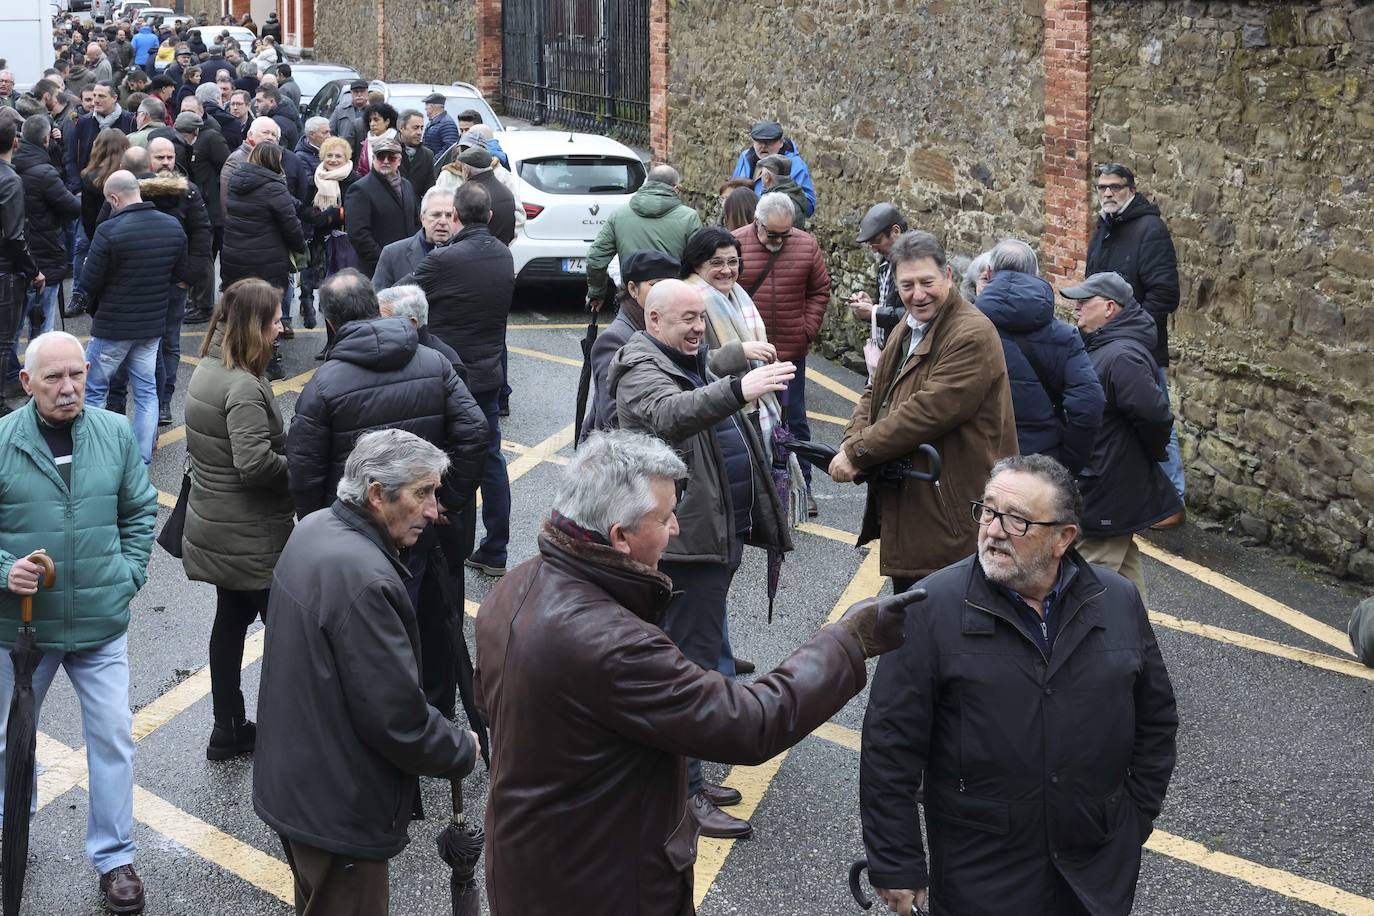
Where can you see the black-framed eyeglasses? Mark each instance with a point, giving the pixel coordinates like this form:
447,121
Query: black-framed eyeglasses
1014,525
1110,188
777,236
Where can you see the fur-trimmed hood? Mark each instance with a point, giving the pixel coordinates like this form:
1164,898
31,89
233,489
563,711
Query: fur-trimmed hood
173,185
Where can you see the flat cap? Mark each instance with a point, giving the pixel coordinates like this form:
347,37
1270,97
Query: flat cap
879,218
778,165
358,84
1108,284
471,138
476,156
435,98
188,121
767,131
383,145
648,264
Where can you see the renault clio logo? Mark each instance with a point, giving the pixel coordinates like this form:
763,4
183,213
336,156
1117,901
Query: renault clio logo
594,209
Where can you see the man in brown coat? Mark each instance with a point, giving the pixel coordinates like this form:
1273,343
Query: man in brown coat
593,709
784,272
942,379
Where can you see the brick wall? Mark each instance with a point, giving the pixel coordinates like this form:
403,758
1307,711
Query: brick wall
488,52
660,141
1064,242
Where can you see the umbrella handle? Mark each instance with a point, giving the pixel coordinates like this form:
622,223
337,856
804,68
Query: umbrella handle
48,581
456,790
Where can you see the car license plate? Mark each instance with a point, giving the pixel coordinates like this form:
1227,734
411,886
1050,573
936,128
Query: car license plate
574,265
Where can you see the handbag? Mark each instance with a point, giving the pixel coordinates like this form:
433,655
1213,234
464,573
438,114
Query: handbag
170,537
338,253
873,348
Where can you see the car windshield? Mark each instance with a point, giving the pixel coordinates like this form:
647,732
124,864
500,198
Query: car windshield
583,174
454,105
312,81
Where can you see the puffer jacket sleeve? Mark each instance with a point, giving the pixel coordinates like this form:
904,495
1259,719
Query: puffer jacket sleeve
250,437
137,511
817,295
283,207
1083,404
1132,390
309,456
199,239
466,441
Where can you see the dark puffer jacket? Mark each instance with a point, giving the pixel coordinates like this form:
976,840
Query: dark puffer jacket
1136,244
379,377
1124,488
260,228
469,283
177,197
48,208
1036,347
794,296
134,258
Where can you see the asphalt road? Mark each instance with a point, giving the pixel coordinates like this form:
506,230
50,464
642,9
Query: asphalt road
1269,812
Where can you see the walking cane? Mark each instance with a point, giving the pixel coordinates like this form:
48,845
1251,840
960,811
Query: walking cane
62,304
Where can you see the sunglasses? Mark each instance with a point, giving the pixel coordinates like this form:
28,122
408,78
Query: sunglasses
386,156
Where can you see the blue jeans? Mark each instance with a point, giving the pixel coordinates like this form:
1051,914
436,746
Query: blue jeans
287,295
100,678
47,302
495,484
169,354
794,410
1173,465
106,357
83,244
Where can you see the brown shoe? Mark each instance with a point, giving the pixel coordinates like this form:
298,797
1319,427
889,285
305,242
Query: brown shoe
123,890
721,796
1172,521
716,823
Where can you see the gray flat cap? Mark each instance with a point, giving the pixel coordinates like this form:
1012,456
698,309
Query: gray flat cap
879,218
1108,284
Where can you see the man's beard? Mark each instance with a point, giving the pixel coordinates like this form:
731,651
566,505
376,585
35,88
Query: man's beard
1006,569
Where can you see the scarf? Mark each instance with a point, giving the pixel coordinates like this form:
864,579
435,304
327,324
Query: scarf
735,318
575,531
110,119
327,192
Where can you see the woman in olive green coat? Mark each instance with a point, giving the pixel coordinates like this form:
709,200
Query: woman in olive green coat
240,512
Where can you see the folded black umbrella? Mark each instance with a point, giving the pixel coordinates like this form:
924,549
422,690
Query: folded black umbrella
460,845
865,902
584,381
819,455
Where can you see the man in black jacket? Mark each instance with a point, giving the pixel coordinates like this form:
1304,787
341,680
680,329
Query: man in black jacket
343,728
469,283
135,259
879,229
209,152
1124,485
399,259
78,142
1031,693
477,169
1131,239
417,161
380,205
17,267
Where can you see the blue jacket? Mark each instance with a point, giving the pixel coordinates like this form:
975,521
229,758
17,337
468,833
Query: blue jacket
134,259
494,147
441,133
144,42
748,161
1036,347
98,531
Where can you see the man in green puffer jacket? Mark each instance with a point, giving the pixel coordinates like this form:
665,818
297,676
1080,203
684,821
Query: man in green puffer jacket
73,484
655,218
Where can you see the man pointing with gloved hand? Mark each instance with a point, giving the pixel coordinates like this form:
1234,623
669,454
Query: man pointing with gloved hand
594,710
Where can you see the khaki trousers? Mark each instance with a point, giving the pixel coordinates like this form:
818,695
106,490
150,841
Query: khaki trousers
334,885
1118,553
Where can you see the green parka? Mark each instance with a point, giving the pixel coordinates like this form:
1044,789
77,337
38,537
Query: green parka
655,218
240,512
99,532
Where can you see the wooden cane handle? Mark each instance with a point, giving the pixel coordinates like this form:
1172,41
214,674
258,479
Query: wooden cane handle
48,581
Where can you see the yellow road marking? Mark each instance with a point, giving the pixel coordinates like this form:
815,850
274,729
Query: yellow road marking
193,360
832,385
522,351
827,418
1176,847
166,500
834,534
189,692
866,583
544,451
522,449
1263,603
295,383
175,434
1268,647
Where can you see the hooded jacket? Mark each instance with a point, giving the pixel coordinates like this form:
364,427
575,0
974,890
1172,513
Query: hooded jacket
1136,244
793,297
144,42
789,188
377,376
261,228
654,219
1046,365
48,209
176,196
1124,488
572,662
748,163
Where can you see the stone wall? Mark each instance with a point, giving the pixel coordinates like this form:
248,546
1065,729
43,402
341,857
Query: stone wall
936,106
1251,125
423,40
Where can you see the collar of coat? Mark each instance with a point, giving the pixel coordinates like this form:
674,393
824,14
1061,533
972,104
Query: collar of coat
29,440
364,525
641,590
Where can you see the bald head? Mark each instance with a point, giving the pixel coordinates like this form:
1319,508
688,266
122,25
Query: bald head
675,316
163,155
121,190
263,130
135,159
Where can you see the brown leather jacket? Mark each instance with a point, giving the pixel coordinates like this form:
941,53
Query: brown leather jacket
592,710
954,394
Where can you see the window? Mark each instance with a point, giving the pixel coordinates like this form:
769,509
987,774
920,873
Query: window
584,174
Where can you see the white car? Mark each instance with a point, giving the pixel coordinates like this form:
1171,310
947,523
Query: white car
168,16
570,184
244,38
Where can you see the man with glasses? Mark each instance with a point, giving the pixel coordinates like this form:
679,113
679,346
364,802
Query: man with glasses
941,380
1132,240
380,206
1124,485
1032,695
784,272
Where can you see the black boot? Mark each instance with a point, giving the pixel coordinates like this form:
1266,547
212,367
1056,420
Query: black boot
196,316
275,372
231,740
308,318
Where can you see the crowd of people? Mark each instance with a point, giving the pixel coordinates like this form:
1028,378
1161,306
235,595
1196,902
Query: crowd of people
1022,704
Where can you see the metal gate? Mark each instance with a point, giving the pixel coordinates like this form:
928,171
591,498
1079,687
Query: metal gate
582,64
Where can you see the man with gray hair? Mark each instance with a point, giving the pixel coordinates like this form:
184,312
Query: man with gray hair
417,162
344,728
150,116
400,258
783,271
1055,393
655,219
596,707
